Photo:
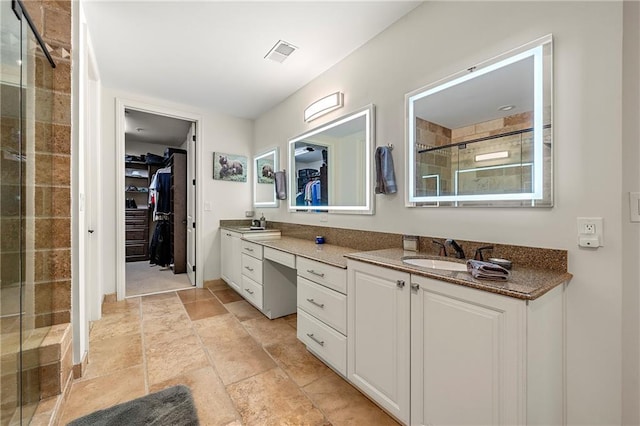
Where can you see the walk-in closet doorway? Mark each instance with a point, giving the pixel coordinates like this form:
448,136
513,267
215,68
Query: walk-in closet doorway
157,222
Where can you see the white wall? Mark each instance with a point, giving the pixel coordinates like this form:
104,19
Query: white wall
440,38
228,199
631,231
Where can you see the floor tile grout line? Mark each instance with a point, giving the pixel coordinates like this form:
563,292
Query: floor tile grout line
215,369
84,378
144,350
278,364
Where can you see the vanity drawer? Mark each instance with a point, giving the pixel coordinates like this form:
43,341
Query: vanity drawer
325,304
252,268
323,341
279,256
252,291
321,273
252,249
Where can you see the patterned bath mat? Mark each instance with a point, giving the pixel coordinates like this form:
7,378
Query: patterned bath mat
172,406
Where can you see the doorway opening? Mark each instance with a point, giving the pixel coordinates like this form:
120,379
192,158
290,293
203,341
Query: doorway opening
158,242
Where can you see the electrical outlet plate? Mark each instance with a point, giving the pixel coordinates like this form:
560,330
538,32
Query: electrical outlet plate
634,206
590,232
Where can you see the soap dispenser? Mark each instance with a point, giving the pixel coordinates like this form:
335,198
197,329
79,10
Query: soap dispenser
263,222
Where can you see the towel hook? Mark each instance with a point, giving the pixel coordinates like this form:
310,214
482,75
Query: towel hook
390,145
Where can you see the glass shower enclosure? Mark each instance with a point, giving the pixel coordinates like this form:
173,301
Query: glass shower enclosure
26,79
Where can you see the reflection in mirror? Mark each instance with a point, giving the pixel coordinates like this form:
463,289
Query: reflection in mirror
331,166
264,189
483,137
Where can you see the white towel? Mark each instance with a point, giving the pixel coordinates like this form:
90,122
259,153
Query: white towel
486,271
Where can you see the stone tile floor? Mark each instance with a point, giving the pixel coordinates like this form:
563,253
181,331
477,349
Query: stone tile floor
242,368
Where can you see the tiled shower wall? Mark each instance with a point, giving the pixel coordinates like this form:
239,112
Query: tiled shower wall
444,162
51,257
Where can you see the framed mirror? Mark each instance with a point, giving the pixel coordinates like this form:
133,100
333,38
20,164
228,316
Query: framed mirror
265,166
331,166
483,137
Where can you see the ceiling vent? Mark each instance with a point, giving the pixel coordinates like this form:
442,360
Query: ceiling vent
280,51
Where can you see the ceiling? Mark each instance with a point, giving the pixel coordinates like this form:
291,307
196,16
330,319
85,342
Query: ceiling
152,128
478,100
210,54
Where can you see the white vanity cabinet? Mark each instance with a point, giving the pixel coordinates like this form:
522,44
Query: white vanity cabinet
251,264
484,358
453,354
231,254
379,333
322,311
230,258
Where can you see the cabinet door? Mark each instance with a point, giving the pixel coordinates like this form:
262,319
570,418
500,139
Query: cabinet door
230,259
467,356
378,335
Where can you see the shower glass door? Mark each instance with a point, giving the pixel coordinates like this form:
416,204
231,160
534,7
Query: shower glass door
11,208
25,117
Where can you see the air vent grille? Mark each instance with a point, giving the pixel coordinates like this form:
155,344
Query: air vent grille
280,51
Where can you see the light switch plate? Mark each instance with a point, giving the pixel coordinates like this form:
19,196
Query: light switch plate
634,206
590,232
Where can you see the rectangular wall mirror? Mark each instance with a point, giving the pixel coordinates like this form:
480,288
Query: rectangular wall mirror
331,166
265,166
483,137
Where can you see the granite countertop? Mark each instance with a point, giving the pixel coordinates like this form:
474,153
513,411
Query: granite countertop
244,229
524,283
326,253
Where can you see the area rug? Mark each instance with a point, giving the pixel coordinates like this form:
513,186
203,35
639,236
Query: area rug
172,406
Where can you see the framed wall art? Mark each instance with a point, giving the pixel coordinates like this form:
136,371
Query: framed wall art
229,167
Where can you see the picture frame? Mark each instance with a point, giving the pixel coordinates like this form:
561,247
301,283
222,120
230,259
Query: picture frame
229,167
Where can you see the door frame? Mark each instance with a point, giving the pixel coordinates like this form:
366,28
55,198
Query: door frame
121,105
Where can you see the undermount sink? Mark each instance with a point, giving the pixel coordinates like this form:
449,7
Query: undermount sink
444,265
251,228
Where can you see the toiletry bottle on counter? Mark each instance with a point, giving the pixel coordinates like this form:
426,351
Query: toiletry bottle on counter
263,222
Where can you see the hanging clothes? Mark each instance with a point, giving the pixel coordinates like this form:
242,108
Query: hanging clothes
312,193
160,245
160,192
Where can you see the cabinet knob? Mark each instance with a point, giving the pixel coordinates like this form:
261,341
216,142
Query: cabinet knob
400,283
415,287
248,291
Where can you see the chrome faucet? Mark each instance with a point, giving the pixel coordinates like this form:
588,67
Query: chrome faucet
478,255
443,249
456,247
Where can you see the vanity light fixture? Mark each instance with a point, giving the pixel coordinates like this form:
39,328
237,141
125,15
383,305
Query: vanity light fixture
324,106
492,156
